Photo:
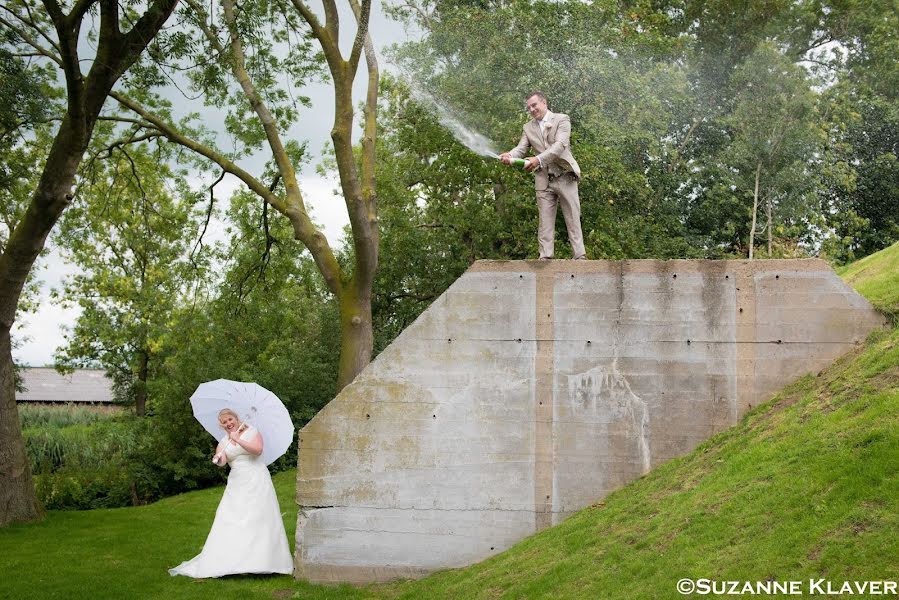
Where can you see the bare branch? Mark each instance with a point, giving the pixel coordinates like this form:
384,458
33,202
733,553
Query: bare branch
174,135
40,50
118,119
317,30
363,15
199,243
131,140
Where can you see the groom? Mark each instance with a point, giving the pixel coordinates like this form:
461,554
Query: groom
557,174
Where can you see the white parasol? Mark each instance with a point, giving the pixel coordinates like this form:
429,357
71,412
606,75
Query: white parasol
253,404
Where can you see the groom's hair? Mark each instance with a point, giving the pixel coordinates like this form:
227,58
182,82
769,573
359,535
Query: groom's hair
537,93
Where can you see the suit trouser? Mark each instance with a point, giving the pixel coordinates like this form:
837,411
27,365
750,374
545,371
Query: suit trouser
562,190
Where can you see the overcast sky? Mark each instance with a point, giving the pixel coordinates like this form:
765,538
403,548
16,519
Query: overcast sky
41,332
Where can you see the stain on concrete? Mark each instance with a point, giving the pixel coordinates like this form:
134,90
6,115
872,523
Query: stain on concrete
605,395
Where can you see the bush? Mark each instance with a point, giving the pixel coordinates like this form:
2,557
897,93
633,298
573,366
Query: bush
82,459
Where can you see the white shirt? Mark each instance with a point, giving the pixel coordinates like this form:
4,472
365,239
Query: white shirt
542,122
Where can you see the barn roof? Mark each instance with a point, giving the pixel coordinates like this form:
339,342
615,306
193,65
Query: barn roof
45,384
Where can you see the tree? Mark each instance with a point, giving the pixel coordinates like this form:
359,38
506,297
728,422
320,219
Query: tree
613,71
129,233
442,208
774,134
55,35
862,206
860,202
271,320
244,76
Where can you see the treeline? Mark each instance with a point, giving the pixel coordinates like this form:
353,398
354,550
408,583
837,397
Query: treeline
717,129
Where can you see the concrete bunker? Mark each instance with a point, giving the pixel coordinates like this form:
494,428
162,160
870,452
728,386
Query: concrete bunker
529,390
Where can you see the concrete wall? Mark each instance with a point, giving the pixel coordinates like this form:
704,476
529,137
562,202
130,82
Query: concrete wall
531,389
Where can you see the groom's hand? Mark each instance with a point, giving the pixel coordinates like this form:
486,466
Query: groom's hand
506,158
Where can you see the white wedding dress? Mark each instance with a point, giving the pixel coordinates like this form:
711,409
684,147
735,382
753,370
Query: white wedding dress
247,535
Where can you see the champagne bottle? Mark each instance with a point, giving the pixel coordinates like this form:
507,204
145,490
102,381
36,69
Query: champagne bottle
518,162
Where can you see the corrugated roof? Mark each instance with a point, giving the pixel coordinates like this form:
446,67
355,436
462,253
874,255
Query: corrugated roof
44,384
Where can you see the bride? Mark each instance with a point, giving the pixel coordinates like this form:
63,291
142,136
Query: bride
247,535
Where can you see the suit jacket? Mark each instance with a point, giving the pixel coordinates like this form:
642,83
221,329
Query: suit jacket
552,147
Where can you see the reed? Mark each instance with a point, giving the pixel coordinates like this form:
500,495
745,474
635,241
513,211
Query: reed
58,416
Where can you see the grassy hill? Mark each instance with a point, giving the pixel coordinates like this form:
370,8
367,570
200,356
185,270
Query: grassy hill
805,487
876,277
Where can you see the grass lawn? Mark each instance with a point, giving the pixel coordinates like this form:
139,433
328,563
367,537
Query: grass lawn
125,553
806,486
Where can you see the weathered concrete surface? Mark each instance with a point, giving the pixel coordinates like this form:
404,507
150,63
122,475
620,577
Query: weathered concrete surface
531,389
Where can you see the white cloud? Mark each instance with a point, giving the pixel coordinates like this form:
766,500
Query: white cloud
40,332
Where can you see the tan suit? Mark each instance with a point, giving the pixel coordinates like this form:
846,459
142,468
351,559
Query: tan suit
556,180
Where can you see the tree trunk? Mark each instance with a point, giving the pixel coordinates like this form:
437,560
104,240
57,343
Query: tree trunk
770,212
356,333
17,499
755,209
85,96
140,393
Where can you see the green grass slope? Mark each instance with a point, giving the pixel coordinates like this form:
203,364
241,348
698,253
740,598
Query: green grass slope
805,487
876,277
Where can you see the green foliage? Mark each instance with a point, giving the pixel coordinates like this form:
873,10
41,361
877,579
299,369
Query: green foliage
82,459
31,415
773,139
129,234
861,204
271,322
24,93
670,125
279,55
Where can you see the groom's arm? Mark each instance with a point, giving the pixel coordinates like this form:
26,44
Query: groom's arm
522,148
